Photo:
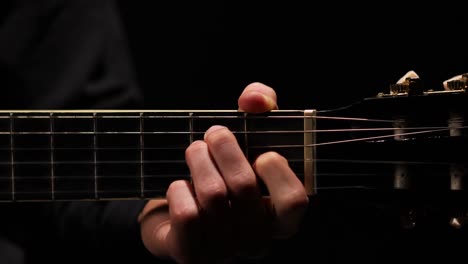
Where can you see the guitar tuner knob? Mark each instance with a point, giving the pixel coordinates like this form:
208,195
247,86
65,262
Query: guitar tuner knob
458,84
410,86
459,222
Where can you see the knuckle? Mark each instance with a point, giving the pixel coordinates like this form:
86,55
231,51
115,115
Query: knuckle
213,192
295,200
194,148
219,138
243,183
184,213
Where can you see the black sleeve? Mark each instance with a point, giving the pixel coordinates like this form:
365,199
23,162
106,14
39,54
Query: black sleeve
66,54
69,54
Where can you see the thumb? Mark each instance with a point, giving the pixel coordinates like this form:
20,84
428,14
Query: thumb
257,98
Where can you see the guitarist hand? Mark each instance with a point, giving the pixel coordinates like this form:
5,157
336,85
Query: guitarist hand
228,217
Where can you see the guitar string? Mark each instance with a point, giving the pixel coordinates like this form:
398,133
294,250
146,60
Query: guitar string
182,147
334,130
88,186
181,161
432,130
134,194
234,132
133,179
130,179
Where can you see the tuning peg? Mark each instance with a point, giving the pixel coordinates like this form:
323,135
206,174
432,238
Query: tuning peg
457,222
408,75
409,84
460,221
459,82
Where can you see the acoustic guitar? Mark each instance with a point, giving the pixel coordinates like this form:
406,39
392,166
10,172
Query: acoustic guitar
406,143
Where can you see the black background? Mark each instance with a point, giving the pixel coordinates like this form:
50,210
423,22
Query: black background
322,55
318,55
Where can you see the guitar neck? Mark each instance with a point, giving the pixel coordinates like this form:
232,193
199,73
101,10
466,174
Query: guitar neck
132,154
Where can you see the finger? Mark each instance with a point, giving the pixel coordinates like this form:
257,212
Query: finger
212,195
287,193
257,98
231,162
209,186
241,183
165,224
185,233
155,225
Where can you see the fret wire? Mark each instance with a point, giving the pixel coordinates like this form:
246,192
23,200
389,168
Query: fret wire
246,137
96,196
191,134
12,159
191,128
52,159
142,147
309,154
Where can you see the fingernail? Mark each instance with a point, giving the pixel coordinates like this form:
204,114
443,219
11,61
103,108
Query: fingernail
271,104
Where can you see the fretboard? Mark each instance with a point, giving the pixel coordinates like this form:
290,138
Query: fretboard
131,154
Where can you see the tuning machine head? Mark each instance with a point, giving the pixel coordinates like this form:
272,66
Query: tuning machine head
457,83
409,86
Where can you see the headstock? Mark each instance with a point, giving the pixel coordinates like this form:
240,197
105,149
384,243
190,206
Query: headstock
408,142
